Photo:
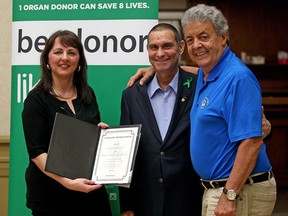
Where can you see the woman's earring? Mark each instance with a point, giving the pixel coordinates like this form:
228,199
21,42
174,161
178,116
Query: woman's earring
48,66
79,68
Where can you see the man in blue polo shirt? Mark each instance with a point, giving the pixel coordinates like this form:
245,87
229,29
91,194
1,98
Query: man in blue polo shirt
226,145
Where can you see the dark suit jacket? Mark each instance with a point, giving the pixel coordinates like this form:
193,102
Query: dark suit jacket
164,181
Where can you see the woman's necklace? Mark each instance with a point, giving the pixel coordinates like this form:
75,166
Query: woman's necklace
60,96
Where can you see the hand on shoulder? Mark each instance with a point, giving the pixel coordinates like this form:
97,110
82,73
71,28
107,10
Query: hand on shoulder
146,73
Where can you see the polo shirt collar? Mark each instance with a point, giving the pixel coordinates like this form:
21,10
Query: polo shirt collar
215,73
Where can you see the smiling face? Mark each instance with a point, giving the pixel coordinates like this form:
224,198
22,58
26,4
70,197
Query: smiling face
204,46
63,60
164,51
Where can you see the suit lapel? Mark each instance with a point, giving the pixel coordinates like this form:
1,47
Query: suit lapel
145,105
182,100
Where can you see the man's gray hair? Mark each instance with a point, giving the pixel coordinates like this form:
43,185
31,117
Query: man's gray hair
202,12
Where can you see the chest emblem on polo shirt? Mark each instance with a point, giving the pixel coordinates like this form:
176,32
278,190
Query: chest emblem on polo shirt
205,102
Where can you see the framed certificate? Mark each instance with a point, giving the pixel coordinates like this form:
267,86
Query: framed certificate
82,150
115,155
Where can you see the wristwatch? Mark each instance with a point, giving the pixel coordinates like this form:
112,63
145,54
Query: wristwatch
230,194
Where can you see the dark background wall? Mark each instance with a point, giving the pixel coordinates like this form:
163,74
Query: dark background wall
256,27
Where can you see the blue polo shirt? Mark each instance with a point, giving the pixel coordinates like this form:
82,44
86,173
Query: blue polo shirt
226,110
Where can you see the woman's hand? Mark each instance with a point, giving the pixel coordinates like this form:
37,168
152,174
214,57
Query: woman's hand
80,184
103,125
128,213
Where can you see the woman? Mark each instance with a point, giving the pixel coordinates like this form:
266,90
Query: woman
62,88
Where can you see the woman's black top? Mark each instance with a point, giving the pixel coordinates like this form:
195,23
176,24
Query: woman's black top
44,194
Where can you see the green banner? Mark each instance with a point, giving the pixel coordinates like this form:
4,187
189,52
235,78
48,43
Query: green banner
114,36
84,10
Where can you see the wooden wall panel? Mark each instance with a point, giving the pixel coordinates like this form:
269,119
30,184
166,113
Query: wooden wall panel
256,27
4,174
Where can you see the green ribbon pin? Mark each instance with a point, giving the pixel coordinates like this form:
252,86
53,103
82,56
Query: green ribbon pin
188,82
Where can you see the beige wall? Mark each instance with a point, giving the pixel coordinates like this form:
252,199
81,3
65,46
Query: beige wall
5,92
5,65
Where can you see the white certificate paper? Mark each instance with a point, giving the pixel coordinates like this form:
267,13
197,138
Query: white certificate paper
116,154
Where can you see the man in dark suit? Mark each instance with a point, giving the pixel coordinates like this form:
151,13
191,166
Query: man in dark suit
164,182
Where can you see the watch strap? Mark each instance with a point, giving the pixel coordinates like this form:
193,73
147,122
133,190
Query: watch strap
229,196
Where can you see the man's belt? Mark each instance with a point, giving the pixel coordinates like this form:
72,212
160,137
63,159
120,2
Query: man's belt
256,178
